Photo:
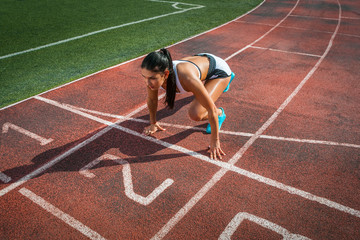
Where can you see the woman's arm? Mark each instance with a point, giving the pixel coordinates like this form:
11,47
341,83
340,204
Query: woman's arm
152,103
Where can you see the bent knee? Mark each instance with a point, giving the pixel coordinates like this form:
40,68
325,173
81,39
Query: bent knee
195,115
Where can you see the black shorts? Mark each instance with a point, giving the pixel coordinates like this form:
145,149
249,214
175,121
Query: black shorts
218,68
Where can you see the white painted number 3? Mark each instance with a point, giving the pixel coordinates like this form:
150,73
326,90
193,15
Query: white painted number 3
126,170
237,220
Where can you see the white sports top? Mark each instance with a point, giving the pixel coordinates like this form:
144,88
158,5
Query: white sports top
178,84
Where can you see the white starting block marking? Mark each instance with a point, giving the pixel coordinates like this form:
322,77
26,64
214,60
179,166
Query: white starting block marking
240,217
43,141
129,191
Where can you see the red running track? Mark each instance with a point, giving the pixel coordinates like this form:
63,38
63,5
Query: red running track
291,136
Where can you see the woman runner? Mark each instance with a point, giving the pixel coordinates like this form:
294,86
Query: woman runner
205,75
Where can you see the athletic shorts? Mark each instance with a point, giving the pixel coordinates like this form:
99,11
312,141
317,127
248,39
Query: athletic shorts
218,68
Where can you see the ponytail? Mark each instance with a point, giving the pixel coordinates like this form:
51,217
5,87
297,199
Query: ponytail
159,62
171,82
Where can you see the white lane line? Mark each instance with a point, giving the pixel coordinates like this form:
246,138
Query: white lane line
313,17
310,141
101,31
43,141
351,18
225,166
188,206
299,28
4,178
66,154
289,52
69,220
244,134
324,18
332,19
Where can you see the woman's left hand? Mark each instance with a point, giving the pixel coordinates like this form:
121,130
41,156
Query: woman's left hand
215,150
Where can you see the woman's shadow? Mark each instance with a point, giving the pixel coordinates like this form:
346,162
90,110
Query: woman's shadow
133,149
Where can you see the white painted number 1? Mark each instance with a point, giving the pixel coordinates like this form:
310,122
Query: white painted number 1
126,170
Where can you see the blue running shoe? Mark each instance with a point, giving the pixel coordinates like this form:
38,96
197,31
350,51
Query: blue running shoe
221,120
228,86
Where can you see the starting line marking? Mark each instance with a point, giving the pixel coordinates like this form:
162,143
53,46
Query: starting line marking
244,134
283,51
72,222
194,6
129,190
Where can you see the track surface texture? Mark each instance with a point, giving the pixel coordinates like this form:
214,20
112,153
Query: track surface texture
74,164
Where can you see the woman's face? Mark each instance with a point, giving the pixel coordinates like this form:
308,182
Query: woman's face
154,79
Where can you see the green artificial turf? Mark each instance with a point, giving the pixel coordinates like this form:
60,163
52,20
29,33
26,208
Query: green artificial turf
33,23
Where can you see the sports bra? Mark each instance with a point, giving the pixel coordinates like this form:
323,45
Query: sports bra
178,84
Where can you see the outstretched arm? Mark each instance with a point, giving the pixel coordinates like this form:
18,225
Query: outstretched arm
152,103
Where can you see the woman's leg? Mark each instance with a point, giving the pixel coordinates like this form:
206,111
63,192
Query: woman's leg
215,88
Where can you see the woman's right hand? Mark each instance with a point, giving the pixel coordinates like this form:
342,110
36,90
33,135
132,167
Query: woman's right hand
153,128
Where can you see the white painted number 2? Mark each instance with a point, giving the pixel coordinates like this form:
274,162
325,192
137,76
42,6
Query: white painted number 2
237,220
126,170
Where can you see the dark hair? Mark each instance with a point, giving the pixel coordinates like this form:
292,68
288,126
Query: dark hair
158,62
